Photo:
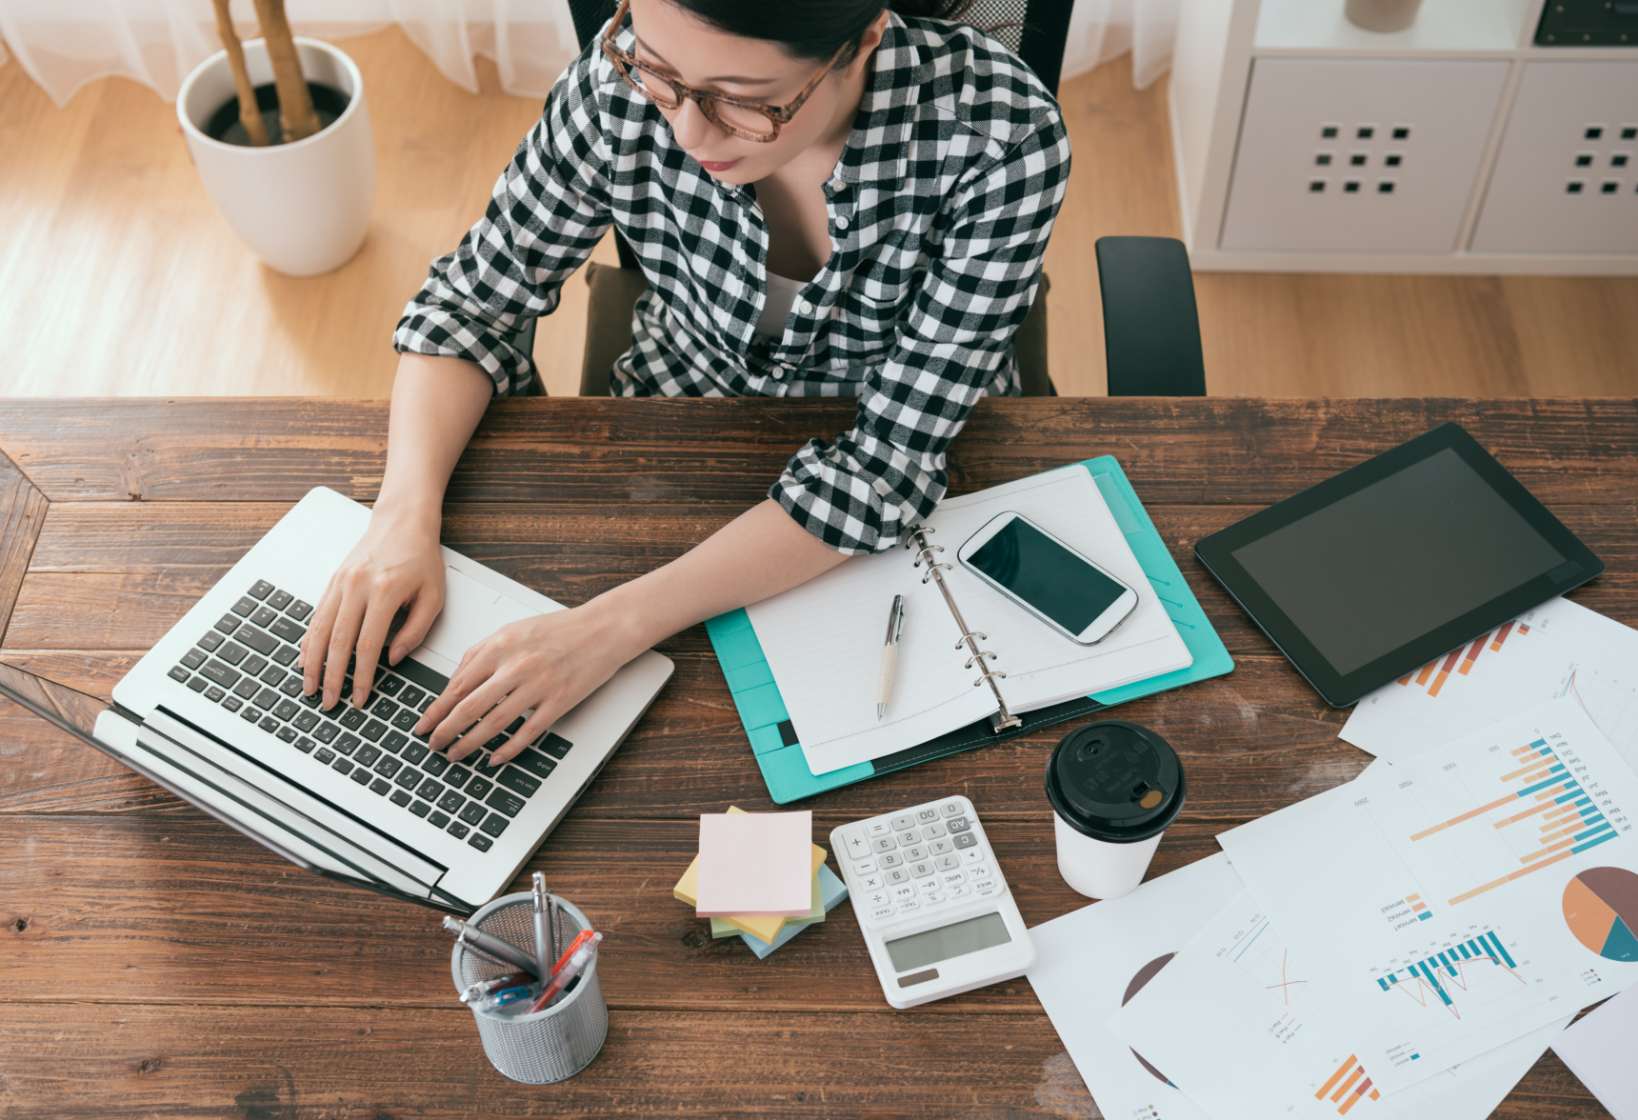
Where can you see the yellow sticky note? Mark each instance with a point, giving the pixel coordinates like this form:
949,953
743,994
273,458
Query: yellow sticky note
764,926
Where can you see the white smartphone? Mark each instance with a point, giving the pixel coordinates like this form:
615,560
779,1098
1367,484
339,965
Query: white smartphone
1044,575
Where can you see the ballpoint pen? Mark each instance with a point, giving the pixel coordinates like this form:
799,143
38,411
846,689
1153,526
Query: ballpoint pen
489,946
582,950
890,654
537,884
552,921
480,988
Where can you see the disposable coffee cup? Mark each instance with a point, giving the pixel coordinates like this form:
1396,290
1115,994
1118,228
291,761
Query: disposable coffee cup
1114,787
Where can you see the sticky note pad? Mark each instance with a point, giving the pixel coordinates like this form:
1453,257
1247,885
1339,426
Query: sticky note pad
755,863
767,928
832,890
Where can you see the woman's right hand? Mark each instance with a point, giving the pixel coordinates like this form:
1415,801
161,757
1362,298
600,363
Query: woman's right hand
396,566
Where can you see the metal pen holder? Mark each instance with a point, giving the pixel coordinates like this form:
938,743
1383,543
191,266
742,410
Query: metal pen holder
549,1045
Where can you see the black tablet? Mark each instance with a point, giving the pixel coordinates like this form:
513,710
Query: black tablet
1379,570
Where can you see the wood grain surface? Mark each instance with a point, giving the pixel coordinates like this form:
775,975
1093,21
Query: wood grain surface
158,965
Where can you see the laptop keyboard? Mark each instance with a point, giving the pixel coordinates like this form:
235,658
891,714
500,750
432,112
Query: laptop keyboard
245,663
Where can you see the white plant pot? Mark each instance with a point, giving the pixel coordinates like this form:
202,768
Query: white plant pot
303,207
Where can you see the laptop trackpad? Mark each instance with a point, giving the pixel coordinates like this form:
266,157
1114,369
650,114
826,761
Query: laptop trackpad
471,613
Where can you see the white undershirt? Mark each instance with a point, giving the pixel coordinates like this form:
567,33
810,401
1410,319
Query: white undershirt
781,294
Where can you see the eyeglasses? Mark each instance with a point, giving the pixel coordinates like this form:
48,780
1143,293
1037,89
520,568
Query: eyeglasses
749,120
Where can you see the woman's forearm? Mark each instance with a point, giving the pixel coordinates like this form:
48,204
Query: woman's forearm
758,554
436,406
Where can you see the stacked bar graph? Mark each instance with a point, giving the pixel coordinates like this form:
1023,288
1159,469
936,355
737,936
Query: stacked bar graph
1461,660
1432,977
1565,816
1347,1086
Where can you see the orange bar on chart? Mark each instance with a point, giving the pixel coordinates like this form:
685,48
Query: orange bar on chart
1520,816
1473,652
1467,816
1510,876
1548,850
1330,1082
1444,672
1348,1083
1364,1087
1501,635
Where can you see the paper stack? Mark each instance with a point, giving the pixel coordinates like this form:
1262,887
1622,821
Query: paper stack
748,873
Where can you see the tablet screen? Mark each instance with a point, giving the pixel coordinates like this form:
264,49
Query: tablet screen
1376,569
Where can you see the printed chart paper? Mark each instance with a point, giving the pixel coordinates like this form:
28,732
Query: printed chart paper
1560,649
1233,1020
1455,901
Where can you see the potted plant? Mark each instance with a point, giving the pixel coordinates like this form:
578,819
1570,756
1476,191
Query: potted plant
278,130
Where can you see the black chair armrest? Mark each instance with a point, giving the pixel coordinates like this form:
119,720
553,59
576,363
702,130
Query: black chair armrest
1151,330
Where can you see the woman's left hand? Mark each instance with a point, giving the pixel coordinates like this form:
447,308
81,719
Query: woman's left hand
548,663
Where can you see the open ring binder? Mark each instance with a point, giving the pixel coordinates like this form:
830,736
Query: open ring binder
1003,719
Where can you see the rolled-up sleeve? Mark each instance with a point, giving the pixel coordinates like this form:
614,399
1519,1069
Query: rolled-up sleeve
863,491
548,210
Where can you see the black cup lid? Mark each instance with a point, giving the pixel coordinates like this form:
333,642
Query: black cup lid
1115,781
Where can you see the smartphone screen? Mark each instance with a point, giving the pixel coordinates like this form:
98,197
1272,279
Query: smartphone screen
1046,575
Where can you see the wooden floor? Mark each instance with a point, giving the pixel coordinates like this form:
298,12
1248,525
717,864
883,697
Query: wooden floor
121,279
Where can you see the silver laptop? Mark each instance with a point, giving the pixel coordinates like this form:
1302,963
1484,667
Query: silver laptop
215,713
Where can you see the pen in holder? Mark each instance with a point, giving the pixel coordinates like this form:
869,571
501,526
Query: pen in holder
544,1046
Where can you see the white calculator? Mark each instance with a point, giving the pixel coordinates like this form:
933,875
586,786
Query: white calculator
936,914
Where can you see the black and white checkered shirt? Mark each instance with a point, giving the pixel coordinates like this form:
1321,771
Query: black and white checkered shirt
939,212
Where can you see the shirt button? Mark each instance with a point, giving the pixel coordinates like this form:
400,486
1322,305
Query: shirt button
841,221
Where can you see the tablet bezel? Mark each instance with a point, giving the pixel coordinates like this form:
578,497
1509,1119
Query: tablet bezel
1339,690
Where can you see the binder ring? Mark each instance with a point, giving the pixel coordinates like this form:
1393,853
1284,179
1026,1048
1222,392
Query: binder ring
934,569
975,635
981,655
989,675
925,554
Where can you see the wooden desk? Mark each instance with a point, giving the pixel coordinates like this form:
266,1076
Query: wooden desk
158,965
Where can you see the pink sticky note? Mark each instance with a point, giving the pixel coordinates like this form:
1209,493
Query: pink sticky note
755,863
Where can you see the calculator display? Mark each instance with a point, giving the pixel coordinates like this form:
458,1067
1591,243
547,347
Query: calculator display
931,946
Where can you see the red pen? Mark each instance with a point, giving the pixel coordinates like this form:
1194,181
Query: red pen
572,963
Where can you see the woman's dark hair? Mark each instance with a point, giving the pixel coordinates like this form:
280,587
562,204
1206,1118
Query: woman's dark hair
811,28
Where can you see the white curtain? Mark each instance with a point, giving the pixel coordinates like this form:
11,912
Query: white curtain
64,44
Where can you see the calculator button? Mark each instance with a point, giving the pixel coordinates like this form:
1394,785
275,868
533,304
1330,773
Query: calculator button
952,879
951,808
929,887
961,891
881,913
926,816
933,898
972,855
987,887
877,828
915,853
909,905
966,840
921,870
870,883
933,830
958,824
865,866
884,843
904,892
877,898
941,846
858,845
891,859
949,863
903,821
979,871
908,837
898,875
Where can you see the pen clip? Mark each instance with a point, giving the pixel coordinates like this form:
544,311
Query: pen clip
895,620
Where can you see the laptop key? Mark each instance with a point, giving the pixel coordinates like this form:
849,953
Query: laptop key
381,786
394,741
352,719
390,685
210,640
260,590
457,830
434,764
288,734
384,708
438,820
193,658
417,673
214,694
286,710
451,801
265,699
494,824
415,752
247,688
473,813
372,730
325,755
251,714
477,787
263,616
232,653
228,623
409,777
305,721
555,745
399,798
341,765
326,732
304,744
311,700
360,775
457,775
506,801
224,675
273,677
244,607
481,842
198,684
254,664
411,696
279,600
367,755
232,703
268,724
291,687
406,719
518,782
347,742
284,655
299,610
420,808
534,762
282,627
388,766
431,789
259,640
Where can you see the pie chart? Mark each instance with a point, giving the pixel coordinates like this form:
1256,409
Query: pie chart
1133,987
1601,909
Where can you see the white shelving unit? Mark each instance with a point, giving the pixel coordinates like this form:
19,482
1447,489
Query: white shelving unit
1303,143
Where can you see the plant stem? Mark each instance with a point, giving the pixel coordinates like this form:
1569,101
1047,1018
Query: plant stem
249,115
296,116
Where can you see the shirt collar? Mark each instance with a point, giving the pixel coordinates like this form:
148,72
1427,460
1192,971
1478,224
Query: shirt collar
877,148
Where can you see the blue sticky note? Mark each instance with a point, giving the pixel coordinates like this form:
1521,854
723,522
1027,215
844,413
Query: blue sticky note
831,891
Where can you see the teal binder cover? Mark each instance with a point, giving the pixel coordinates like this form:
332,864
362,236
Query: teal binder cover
773,740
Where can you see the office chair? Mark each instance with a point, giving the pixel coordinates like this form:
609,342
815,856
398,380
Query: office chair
1151,329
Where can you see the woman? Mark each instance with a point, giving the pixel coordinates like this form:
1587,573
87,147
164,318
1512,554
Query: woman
827,197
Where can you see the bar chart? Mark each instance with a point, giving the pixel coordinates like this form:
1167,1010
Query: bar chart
1347,1086
1431,981
1461,660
